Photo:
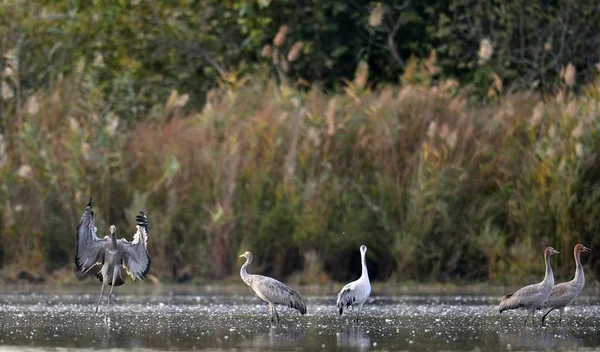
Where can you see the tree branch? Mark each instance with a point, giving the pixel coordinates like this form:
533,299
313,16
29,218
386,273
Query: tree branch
193,47
392,35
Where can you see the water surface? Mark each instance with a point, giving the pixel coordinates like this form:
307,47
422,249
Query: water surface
188,320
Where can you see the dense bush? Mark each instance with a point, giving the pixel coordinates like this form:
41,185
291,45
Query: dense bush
437,191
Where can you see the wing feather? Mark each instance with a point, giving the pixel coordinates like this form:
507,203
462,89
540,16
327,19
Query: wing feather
136,258
90,249
278,293
562,295
528,297
345,299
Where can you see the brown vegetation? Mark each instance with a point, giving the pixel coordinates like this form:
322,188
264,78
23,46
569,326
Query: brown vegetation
437,190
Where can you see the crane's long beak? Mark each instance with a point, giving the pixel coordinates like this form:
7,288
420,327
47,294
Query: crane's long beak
586,249
242,256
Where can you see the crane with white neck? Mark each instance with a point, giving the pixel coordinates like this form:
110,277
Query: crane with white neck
356,293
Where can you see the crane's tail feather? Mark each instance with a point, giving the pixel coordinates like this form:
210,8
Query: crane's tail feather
118,282
509,302
297,302
345,300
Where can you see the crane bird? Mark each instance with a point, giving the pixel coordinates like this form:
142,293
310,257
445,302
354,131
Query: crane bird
111,252
532,297
271,291
565,293
357,292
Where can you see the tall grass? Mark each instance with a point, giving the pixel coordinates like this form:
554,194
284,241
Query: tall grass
437,190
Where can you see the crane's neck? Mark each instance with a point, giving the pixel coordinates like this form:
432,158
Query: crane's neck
244,273
363,260
579,277
114,240
549,277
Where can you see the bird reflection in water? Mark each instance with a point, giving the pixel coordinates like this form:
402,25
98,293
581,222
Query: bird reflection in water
279,337
353,339
538,339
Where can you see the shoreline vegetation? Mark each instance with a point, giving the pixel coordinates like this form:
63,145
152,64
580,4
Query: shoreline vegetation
236,138
439,191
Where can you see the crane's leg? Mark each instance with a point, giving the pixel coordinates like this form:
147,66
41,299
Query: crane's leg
560,318
274,315
114,279
527,317
358,312
533,317
271,311
100,299
544,317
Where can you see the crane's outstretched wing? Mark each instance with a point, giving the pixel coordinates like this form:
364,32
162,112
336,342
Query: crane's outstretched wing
89,251
136,258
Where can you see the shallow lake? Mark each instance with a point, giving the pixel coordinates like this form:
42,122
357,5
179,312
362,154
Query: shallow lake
193,319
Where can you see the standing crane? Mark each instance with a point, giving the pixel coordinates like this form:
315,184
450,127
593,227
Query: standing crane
532,297
271,291
111,253
565,293
357,292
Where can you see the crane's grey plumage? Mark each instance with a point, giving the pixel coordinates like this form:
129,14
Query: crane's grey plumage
532,297
357,292
565,293
271,291
111,252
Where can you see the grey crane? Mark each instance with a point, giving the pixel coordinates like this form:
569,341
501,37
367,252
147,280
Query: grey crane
112,253
565,293
271,291
532,297
357,292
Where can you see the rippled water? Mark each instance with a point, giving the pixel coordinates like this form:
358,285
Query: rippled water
188,321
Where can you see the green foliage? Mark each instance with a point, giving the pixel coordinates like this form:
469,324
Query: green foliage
531,41
137,52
